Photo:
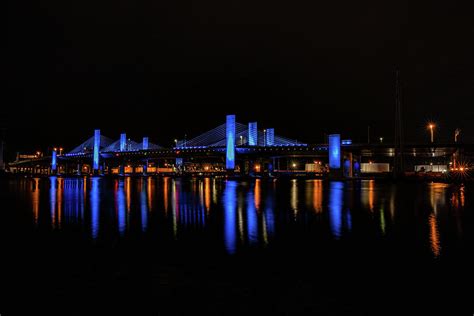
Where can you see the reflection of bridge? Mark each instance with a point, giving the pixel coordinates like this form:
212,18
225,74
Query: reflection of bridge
235,147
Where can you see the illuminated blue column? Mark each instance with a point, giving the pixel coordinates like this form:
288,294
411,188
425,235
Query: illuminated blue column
335,151
230,142
145,147
123,141
270,137
253,134
54,165
95,164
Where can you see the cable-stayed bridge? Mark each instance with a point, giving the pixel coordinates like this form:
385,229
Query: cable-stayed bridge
233,147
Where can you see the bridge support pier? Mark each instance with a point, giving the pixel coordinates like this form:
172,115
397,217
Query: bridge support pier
335,156
95,162
54,165
230,143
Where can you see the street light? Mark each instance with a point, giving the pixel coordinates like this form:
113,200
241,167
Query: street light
381,140
175,142
241,140
431,126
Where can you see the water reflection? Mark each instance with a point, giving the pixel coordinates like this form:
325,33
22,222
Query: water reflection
144,205
230,202
175,205
120,206
73,200
95,206
244,215
35,199
207,194
52,199
252,229
269,220
335,207
434,235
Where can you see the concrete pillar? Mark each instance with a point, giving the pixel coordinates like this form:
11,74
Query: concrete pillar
54,160
95,162
230,142
270,137
123,142
334,152
253,134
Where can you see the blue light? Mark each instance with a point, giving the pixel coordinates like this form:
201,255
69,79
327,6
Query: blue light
230,142
253,134
270,137
123,141
252,219
52,199
95,205
145,143
335,208
346,141
269,217
335,151
121,213
179,161
230,201
96,149
144,206
54,165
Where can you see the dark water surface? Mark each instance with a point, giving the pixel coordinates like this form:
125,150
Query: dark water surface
171,246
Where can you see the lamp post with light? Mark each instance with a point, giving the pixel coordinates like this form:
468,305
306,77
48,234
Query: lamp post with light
431,126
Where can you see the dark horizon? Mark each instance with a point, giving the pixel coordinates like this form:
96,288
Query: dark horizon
160,70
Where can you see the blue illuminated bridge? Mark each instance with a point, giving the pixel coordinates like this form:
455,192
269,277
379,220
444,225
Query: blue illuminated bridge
245,149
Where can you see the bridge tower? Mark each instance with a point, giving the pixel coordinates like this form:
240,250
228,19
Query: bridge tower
230,142
334,154
145,147
123,142
95,159
253,134
54,159
270,137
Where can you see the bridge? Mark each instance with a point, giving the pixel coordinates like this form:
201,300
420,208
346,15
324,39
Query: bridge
244,149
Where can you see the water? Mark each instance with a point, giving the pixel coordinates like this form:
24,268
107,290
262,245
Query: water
259,246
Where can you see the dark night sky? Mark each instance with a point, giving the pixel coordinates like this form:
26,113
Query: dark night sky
165,68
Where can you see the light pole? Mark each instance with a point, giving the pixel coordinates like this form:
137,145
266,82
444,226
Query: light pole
431,126
241,140
175,143
456,134
381,140
264,137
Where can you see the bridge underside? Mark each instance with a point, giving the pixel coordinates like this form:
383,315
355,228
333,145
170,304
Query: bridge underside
249,159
